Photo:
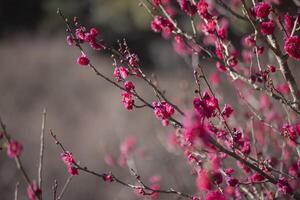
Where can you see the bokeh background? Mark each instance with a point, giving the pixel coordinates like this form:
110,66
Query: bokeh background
38,70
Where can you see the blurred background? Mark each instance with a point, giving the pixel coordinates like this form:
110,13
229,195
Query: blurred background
38,70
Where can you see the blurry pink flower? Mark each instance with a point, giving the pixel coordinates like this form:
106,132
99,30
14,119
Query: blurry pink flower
215,195
283,88
109,160
127,145
154,195
33,191
249,41
215,78
14,149
70,40
203,181
155,179
156,2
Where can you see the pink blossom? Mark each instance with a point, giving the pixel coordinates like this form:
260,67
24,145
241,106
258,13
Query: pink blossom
288,22
206,106
155,179
83,60
189,8
107,178
202,7
267,27
283,88
222,33
109,160
215,195
272,68
290,131
163,111
262,10
229,171
216,177
14,149
33,191
156,2
232,181
67,157
256,177
70,40
93,32
129,86
127,100
133,60
210,26
95,45
284,186
80,33
154,195
221,67
227,110
123,72
160,23
292,47
203,181
72,170
249,41
117,74
127,145
215,78
69,161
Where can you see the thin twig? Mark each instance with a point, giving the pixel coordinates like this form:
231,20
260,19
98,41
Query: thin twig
115,179
16,191
42,147
65,187
54,188
235,14
17,158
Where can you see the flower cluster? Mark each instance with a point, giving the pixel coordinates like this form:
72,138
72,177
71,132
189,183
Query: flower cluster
69,161
206,106
291,131
84,36
162,24
90,37
163,111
